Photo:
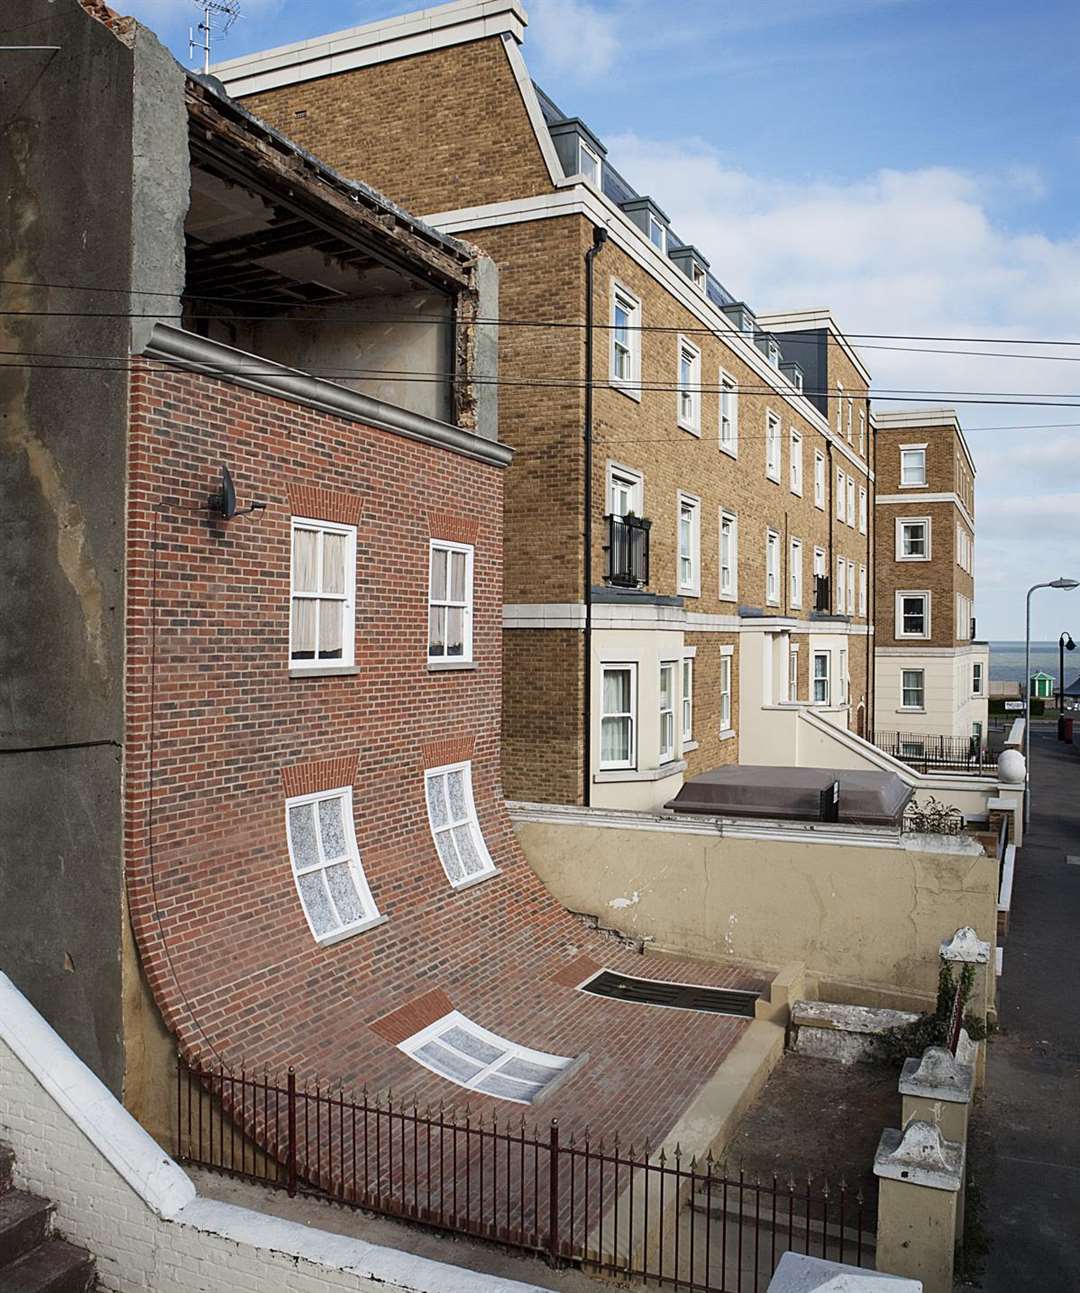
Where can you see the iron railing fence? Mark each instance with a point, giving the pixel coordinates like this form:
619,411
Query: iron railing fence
615,1210
926,752
627,550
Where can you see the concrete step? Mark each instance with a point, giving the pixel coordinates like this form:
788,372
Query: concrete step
25,1221
51,1267
7,1167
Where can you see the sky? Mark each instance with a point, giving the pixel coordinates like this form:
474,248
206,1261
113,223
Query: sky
914,166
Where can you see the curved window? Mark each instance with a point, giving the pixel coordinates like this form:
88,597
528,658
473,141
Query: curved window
452,814
326,866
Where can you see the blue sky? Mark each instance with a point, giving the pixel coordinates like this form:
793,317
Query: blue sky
912,164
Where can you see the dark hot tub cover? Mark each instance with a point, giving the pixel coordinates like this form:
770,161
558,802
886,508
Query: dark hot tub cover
866,798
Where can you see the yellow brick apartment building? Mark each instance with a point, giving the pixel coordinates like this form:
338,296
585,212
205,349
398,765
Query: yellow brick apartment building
717,469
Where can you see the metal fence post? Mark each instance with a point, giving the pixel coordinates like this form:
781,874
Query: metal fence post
291,1158
553,1192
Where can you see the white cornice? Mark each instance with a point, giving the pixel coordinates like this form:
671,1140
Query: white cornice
915,498
910,419
803,320
572,197
910,653
610,616
375,42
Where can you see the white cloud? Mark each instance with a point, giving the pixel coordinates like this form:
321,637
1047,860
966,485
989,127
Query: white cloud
919,253
572,39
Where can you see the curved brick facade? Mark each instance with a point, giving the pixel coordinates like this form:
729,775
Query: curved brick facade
219,734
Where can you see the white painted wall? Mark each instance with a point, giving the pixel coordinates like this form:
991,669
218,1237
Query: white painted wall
950,708
119,1195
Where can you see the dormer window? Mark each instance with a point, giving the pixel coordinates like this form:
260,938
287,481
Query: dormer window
657,234
588,163
774,354
697,275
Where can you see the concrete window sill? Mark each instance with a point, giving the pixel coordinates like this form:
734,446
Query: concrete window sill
449,666
728,733
690,745
330,671
474,880
611,775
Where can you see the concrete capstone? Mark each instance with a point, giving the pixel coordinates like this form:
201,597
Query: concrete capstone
965,946
938,1075
798,1273
920,1155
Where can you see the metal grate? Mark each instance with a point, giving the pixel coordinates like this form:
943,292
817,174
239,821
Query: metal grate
679,996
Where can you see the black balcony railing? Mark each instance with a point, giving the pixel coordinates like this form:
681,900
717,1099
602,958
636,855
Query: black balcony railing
627,551
971,635
928,752
822,593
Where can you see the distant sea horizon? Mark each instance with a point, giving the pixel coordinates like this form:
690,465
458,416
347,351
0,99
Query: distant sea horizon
1007,661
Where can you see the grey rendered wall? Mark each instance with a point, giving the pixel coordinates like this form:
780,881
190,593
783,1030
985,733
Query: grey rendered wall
65,155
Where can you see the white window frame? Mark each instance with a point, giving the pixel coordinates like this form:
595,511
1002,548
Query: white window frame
688,398
840,492
850,599
795,572
839,410
850,487
906,450
773,446
691,502
631,760
730,590
920,708
899,624
666,753
725,694
862,590
842,679
729,390
616,471
698,277
793,672
963,617
821,681
850,417
470,820
901,522
862,510
447,603
631,304
772,567
819,479
351,859
659,243
509,1052
795,462
347,659
686,699
862,433
977,680
584,150
841,587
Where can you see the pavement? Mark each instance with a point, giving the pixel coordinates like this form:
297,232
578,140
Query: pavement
1025,1148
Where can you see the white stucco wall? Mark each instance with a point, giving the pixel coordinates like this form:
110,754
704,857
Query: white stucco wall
950,708
119,1195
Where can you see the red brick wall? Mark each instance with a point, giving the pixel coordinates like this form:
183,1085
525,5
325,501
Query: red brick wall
218,733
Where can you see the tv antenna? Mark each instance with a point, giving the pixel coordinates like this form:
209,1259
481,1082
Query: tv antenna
225,13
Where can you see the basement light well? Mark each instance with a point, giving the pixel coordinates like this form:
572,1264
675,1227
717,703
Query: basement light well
677,996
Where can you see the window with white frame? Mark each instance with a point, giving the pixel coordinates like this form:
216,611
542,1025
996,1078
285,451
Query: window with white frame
729,555
588,163
464,1053
618,716
964,549
913,538
450,602
330,880
687,699
862,590
840,478
795,572
913,689
843,681
454,825
850,486
793,672
913,615
913,467
657,233
862,510
725,693
850,417
772,568
821,678
862,433
625,492
729,414
322,627
819,479
851,587
977,678
819,562
689,545
625,341
667,711
795,464
689,387
838,596
772,446
697,276
839,410
963,616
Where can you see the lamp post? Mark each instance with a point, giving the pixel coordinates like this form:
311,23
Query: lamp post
1054,583
1065,643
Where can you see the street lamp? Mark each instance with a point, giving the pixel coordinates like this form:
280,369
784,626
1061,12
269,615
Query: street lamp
1065,643
1054,583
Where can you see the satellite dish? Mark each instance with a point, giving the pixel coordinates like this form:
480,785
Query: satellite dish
224,501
